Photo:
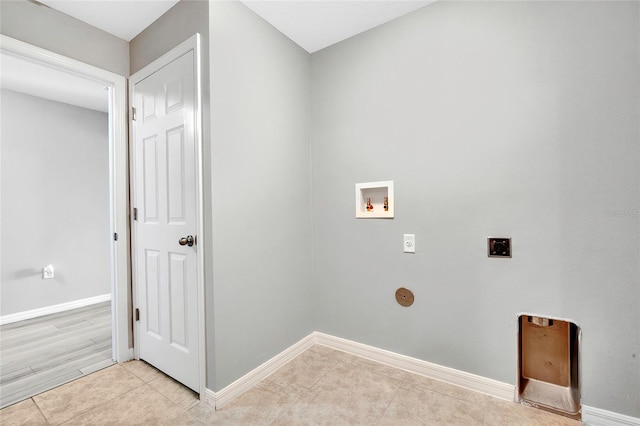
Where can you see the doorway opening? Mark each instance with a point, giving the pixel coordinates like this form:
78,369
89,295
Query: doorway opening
90,168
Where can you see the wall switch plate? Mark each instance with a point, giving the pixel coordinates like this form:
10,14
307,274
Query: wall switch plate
409,243
498,247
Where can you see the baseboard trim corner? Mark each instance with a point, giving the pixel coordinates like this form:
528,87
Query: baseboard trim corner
592,416
246,382
208,397
463,379
54,309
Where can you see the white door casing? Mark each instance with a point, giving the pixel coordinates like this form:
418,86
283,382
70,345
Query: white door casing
166,176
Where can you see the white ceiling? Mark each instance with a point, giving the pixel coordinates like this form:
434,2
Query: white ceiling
312,24
122,18
316,24
35,79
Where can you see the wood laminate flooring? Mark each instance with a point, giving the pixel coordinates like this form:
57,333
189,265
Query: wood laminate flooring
41,353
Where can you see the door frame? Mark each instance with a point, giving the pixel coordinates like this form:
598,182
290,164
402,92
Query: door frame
118,178
191,44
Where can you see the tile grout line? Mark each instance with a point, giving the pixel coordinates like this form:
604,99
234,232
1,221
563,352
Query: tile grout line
390,401
102,403
333,368
40,410
309,389
133,372
426,387
282,407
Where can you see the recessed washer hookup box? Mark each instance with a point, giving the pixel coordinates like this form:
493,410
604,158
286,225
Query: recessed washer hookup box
548,365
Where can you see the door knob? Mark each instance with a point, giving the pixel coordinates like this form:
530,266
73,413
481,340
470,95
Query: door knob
187,241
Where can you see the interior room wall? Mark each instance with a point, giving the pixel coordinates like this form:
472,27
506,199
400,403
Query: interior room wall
50,29
260,192
55,202
178,24
515,119
508,119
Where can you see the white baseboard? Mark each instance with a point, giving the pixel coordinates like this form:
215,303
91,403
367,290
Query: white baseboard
505,391
54,309
224,396
208,398
596,417
490,387
469,381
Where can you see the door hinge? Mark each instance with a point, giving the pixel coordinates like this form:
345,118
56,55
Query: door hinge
137,314
133,113
135,213
115,236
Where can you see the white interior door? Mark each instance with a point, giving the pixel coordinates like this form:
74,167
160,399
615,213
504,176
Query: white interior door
166,219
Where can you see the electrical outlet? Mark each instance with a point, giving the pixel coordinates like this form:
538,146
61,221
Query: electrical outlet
47,272
409,243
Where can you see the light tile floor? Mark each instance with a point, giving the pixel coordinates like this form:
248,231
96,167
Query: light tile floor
320,386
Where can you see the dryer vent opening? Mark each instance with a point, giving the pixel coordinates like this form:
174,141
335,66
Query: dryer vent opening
548,365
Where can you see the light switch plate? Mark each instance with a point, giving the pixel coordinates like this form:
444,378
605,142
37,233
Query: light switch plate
409,243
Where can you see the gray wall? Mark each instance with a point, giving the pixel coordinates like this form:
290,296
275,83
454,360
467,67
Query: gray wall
179,23
261,192
507,119
55,202
515,119
52,30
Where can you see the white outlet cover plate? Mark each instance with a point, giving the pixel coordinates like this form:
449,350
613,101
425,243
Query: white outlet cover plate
409,243
47,272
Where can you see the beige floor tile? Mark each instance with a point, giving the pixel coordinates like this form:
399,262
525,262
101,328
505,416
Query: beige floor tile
177,393
327,351
349,394
321,386
205,414
263,395
310,413
144,371
446,389
362,373
514,414
141,406
22,413
377,367
259,406
62,403
420,406
306,369
350,358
